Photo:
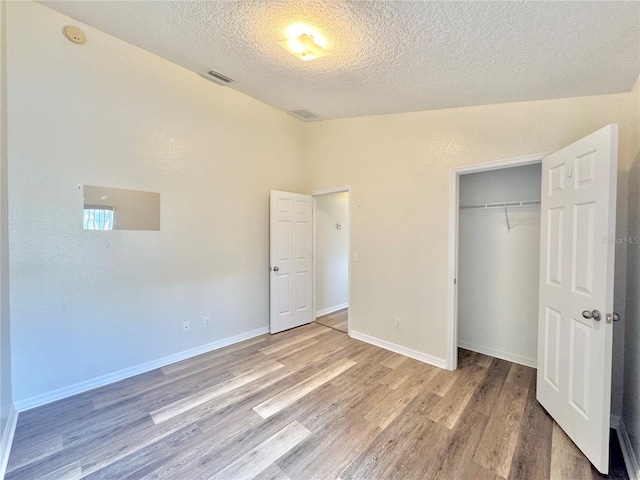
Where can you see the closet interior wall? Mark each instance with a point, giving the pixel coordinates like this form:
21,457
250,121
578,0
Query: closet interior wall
498,263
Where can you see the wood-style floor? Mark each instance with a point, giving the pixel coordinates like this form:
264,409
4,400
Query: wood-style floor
336,320
310,403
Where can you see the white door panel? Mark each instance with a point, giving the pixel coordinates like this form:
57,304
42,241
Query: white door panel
576,275
291,260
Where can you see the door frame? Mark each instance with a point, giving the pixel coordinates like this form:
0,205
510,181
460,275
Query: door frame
314,195
454,196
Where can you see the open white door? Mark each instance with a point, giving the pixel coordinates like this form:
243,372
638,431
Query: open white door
291,283
575,327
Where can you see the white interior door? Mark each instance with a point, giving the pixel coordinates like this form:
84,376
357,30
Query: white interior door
291,285
576,276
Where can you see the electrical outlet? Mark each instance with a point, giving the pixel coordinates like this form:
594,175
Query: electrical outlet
205,322
396,322
185,327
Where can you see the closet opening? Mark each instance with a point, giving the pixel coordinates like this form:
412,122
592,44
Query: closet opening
495,253
331,247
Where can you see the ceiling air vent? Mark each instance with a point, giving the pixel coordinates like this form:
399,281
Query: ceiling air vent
218,77
303,114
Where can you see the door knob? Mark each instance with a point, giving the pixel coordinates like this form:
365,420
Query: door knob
616,317
276,269
595,315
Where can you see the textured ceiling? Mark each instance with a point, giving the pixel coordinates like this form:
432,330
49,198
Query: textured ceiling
388,56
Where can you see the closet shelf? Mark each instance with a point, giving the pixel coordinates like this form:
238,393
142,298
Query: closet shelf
523,203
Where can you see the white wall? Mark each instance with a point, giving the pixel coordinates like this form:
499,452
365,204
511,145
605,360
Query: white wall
631,320
498,269
503,185
398,169
89,303
332,252
6,402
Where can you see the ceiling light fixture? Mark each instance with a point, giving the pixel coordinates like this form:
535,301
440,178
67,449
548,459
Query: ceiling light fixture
304,47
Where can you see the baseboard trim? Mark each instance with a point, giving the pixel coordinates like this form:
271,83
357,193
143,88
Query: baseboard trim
510,357
39,400
7,440
407,352
327,311
630,459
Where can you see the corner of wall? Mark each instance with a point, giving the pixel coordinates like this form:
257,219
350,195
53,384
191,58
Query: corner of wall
8,414
306,138
7,439
629,430
630,457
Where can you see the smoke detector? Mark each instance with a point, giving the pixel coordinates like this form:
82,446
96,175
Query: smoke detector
74,34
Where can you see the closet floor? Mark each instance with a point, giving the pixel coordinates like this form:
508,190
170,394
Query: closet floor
309,403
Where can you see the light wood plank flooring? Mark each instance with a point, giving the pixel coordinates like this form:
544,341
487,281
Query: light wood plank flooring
309,403
336,320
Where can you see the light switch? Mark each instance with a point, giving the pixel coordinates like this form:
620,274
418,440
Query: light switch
355,257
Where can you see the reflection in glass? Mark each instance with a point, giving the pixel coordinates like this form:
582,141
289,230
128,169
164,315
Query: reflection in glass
98,218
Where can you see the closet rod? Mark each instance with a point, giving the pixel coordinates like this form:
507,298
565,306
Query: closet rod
523,203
